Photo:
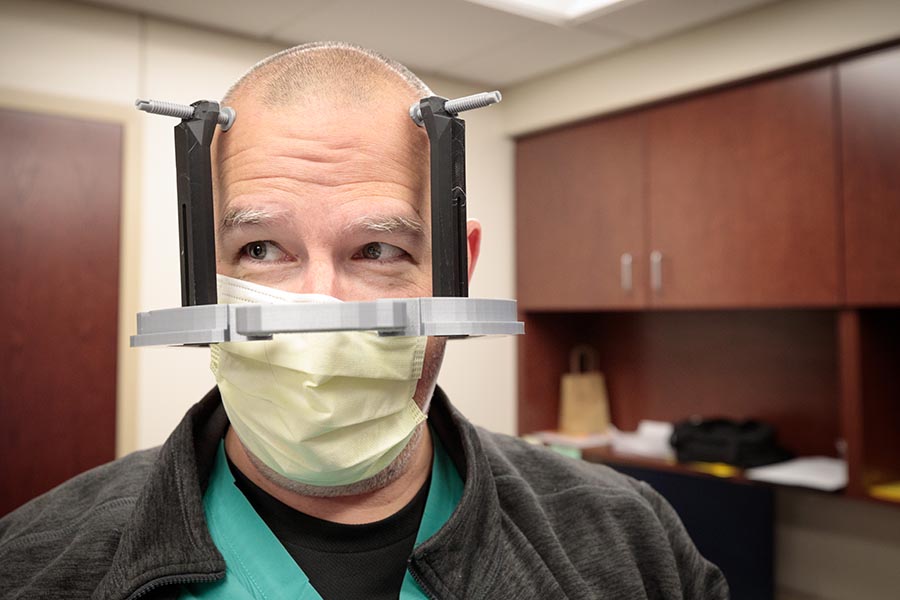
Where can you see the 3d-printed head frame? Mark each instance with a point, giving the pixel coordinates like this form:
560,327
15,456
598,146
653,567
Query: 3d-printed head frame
417,316
196,225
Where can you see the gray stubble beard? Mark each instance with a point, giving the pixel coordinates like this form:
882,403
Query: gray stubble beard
381,479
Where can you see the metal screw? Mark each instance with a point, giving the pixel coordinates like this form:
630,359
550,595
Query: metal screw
459,104
183,111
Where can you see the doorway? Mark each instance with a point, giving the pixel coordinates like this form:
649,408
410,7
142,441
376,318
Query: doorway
60,208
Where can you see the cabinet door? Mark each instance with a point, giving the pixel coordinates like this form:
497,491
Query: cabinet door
870,117
742,199
580,217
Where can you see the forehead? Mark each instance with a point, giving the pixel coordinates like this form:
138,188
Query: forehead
336,133
323,161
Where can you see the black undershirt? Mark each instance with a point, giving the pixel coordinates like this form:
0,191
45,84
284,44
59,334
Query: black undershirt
342,561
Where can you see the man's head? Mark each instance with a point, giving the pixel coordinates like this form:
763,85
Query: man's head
322,184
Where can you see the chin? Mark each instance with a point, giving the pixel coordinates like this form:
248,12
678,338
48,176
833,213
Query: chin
381,479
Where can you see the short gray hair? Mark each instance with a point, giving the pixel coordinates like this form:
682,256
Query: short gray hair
291,73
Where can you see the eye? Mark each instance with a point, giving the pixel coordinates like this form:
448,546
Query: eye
380,251
262,251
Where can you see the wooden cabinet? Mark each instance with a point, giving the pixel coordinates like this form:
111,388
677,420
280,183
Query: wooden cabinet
775,365
775,209
870,125
741,195
869,361
725,200
580,211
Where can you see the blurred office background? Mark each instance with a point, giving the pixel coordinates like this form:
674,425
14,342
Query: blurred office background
574,86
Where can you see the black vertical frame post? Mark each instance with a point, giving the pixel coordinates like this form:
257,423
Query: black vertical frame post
196,225
447,139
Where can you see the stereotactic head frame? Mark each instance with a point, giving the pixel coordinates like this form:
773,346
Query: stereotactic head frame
448,313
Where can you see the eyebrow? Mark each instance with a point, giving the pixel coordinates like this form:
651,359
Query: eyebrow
391,224
235,218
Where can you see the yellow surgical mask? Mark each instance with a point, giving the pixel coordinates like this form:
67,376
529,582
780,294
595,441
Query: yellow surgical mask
325,409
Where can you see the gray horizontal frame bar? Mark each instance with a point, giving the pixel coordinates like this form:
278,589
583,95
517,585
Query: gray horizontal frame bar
214,323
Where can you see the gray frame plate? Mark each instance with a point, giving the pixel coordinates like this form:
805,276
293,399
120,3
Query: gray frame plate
214,323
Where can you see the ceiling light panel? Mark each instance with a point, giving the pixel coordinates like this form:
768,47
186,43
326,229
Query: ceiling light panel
554,12
651,19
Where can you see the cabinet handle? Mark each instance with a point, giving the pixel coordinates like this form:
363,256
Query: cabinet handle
626,272
656,258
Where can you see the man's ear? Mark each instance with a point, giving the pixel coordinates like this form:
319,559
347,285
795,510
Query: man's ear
473,236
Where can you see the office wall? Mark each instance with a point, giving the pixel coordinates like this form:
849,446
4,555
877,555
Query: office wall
772,37
83,54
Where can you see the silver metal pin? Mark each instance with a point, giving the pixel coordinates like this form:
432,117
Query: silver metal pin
459,105
183,111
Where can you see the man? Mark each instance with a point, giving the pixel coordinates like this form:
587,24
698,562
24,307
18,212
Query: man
311,472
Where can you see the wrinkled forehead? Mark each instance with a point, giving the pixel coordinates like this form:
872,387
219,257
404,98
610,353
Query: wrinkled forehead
377,127
321,152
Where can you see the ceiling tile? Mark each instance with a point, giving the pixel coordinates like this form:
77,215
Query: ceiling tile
454,38
543,49
647,19
255,18
427,34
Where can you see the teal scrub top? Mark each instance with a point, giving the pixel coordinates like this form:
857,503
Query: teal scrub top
257,566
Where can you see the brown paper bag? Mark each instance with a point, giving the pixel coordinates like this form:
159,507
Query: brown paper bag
584,405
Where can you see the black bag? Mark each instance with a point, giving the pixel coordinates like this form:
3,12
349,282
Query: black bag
743,444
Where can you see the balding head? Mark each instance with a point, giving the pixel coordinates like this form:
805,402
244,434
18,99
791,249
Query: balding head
326,70
323,129
342,90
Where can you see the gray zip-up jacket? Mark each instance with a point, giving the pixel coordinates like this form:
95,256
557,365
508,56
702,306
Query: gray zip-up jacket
531,524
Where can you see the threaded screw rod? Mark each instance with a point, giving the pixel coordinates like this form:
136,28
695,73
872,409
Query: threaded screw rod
182,111
472,102
459,105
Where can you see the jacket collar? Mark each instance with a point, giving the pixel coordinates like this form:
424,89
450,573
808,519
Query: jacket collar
167,541
463,558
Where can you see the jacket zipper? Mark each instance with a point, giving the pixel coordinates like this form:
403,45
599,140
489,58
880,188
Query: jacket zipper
419,581
172,580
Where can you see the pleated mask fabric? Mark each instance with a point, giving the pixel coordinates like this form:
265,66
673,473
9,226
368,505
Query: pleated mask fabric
324,409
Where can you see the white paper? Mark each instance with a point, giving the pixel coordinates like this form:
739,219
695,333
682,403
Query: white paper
660,430
817,472
591,440
651,440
